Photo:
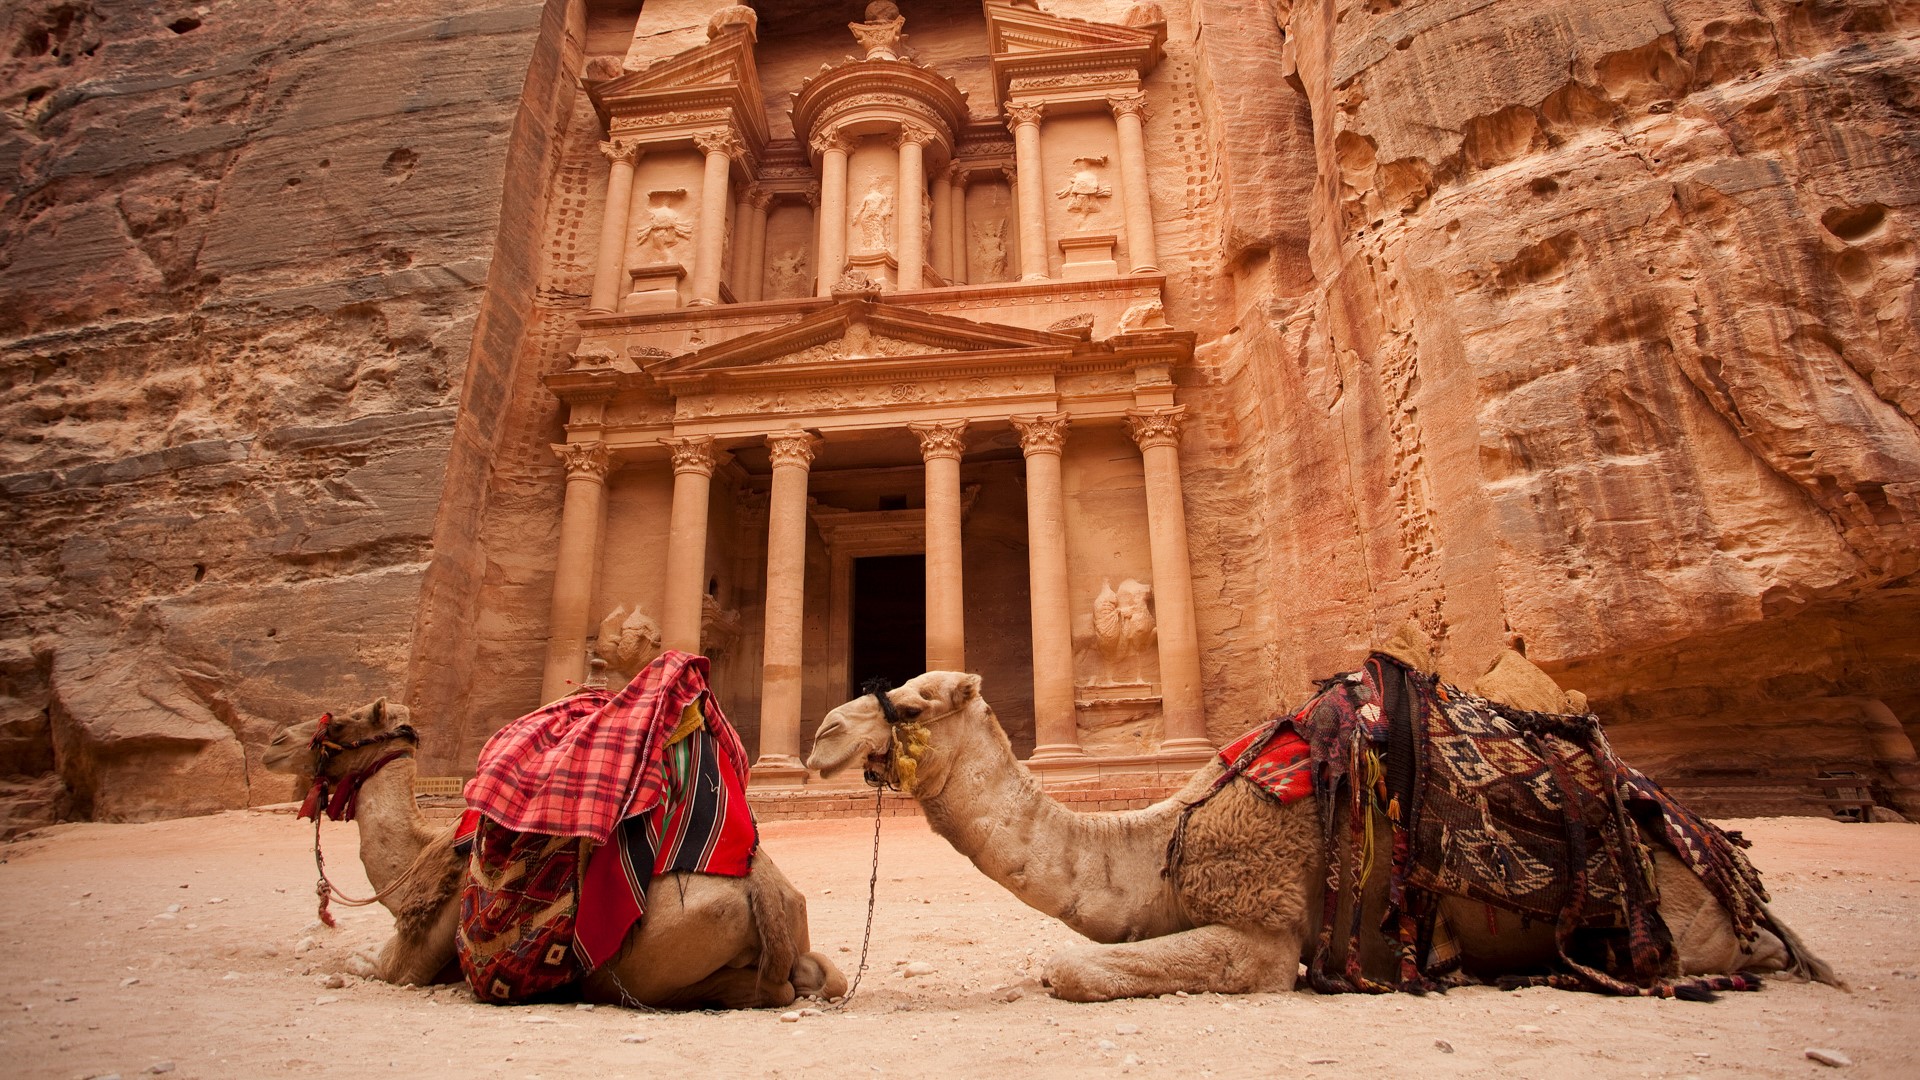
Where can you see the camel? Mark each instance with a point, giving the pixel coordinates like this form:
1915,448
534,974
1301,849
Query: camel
1241,909
706,940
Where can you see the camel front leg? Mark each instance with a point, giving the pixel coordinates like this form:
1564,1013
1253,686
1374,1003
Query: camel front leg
1207,959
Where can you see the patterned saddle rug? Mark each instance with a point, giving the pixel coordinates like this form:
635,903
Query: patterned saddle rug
543,909
1531,813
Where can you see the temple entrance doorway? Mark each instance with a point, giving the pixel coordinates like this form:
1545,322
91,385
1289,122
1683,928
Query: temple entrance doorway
889,638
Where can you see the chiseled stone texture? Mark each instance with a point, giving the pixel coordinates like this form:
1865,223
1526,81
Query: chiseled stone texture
242,247
1609,349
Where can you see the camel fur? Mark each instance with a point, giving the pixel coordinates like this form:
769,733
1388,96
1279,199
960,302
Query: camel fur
1242,906
706,940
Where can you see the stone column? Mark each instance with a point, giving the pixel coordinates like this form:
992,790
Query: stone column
942,240
941,446
1025,119
780,670
1056,727
910,193
582,516
742,210
709,242
1129,117
612,263
756,282
1157,430
687,542
833,148
957,179
1893,752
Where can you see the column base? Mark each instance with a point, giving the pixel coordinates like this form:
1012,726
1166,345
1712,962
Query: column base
1148,269
777,770
701,301
1062,752
1198,750
1034,277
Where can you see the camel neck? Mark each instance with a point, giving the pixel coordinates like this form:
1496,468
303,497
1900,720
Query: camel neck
1098,873
392,829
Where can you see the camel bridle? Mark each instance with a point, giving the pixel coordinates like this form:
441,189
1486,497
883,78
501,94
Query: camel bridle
338,798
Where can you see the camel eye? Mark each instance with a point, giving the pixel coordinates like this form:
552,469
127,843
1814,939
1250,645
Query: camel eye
910,712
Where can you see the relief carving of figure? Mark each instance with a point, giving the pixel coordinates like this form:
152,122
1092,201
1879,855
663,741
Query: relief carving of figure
1083,190
1124,625
628,640
788,274
990,249
874,218
664,228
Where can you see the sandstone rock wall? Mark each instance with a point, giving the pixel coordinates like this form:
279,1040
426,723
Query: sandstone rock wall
1608,350
242,251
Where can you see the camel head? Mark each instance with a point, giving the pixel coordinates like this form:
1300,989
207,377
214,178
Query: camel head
895,748
332,746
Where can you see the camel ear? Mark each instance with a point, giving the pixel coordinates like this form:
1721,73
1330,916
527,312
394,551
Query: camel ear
963,689
377,712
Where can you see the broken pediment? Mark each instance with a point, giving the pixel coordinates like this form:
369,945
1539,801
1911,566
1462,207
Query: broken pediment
1043,50
719,75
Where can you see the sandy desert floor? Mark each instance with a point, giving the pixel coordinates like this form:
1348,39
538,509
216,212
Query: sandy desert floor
190,947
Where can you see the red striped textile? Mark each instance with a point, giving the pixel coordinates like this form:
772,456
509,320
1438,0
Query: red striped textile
587,762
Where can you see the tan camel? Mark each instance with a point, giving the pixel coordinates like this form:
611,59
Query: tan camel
1236,916
706,940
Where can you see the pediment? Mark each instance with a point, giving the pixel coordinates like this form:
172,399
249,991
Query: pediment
721,72
858,333
1014,30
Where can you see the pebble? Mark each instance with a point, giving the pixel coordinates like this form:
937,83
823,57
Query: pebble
129,981
1126,1029
789,1017
1443,1046
173,909
585,1006
1130,1061
813,1012
1106,1044
159,1067
1833,1058
1528,1029
538,1020
325,999
917,969
1323,1059
334,981
635,1038
1008,994
303,945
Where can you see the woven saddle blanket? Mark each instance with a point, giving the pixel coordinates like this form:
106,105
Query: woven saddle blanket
545,906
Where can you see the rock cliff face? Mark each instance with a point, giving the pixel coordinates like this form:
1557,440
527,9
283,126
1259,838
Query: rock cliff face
240,269
1586,328
1607,349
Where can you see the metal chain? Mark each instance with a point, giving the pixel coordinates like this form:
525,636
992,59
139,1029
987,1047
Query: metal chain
873,886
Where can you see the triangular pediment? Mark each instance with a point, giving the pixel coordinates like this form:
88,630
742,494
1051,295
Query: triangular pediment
855,333
719,73
1014,29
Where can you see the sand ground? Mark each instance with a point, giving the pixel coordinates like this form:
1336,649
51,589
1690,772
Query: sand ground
190,947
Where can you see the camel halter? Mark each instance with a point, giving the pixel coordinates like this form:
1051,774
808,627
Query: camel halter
339,798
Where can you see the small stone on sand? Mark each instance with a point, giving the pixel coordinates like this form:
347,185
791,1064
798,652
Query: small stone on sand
1833,1058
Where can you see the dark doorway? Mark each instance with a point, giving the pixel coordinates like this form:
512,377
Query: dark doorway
889,619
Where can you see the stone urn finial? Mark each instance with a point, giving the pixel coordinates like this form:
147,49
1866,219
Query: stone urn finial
883,35
734,15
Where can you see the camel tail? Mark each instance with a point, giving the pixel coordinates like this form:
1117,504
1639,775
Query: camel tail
772,902
1805,964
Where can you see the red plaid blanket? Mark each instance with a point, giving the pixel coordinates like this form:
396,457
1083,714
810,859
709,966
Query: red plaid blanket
587,762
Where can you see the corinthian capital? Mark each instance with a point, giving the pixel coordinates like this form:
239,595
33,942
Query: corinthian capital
691,453
1158,426
1045,433
584,460
1134,104
719,142
793,447
760,198
940,438
917,134
1024,112
618,150
824,141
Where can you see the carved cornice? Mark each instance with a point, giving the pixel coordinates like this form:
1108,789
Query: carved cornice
583,460
1045,433
791,448
1024,112
1128,105
1156,427
940,438
618,150
691,454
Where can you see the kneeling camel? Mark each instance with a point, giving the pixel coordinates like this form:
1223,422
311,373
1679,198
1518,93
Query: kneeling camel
1242,907
706,940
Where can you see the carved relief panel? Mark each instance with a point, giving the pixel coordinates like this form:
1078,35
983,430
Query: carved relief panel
992,248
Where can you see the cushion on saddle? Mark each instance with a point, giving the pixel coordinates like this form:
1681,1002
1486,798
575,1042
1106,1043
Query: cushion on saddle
540,909
1278,762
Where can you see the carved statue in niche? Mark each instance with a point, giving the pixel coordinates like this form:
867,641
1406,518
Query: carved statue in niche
874,218
990,249
788,274
1124,625
664,228
883,35
628,640
719,627
1083,190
